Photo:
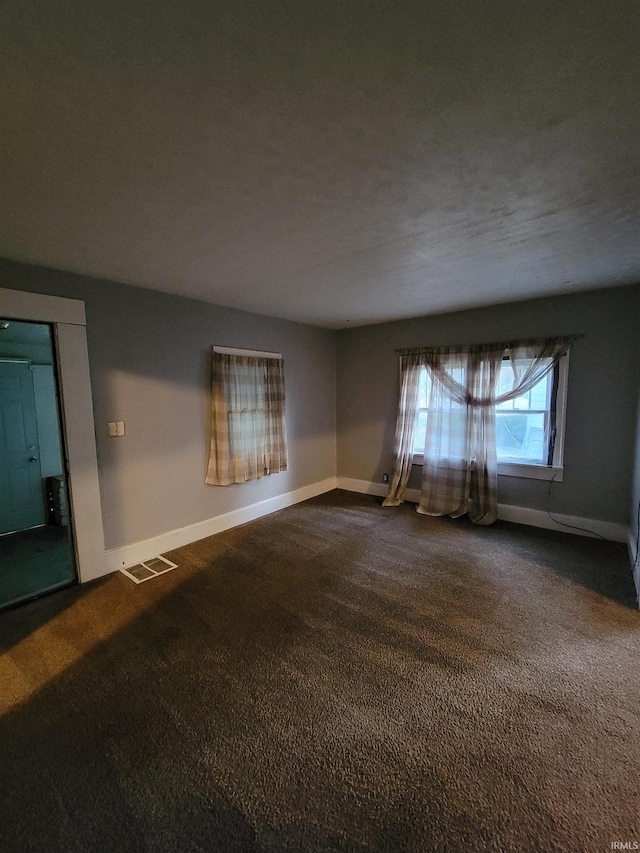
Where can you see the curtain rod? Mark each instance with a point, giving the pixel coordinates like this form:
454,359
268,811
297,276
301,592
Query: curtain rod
506,344
251,353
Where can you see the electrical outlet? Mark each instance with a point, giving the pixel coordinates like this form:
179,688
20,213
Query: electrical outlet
115,429
385,478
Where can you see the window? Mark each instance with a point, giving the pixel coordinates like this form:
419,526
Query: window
529,429
248,434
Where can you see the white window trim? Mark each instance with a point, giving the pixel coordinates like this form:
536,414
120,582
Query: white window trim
554,472
518,469
532,472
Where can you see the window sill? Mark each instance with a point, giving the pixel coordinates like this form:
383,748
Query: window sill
532,472
518,469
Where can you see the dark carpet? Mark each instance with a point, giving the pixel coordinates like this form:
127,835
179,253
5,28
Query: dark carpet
334,677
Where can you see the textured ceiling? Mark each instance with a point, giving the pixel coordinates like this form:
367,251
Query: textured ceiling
337,163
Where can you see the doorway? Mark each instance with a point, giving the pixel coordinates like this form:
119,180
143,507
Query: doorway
67,318
36,547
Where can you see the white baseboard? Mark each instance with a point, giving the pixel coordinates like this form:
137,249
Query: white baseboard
593,527
365,488
119,558
517,514
127,555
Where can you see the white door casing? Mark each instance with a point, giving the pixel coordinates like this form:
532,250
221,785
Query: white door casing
68,319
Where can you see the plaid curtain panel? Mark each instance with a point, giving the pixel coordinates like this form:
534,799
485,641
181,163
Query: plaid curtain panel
248,435
460,468
410,367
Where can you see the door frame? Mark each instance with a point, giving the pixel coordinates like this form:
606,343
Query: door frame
68,319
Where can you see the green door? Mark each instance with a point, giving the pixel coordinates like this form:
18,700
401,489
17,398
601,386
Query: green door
21,493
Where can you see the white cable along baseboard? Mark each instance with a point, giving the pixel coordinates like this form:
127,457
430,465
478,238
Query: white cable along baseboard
517,514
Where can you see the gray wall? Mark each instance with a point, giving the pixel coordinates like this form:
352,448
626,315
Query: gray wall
150,366
149,357
602,394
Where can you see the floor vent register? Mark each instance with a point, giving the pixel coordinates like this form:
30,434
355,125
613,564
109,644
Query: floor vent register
142,572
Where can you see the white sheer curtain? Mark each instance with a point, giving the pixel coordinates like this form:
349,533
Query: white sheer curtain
460,467
460,461
410,367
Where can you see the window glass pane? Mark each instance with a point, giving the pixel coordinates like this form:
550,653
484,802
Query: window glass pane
421,432
521,424
540,393
456,373
423,389
520,437
522,430
506,406
505,381
521,402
